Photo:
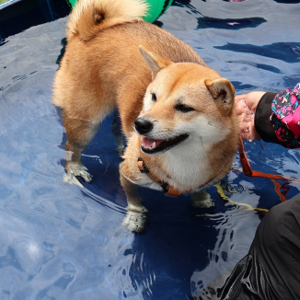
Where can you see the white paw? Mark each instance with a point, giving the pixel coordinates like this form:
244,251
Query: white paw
207,203
69,178
76,170
120,149
135,221
202,199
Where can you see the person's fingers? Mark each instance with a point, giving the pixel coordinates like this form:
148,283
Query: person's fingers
248,132
240,106
248,116
246,125
245,130
243,110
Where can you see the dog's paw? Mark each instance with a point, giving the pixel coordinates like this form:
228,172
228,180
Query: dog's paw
71,179
76,170
120,149
207,203
202,199
135,221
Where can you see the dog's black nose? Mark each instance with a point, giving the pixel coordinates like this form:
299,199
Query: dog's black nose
143,126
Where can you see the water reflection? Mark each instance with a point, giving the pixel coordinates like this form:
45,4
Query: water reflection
288,52
232,24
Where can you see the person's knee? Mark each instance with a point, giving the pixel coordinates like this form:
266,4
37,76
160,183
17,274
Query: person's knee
279,223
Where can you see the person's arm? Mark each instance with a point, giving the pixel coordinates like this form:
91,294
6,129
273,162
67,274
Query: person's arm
270,116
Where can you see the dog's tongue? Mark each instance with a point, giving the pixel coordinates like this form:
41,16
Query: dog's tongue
149,143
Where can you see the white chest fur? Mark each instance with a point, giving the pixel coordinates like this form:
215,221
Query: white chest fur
188,168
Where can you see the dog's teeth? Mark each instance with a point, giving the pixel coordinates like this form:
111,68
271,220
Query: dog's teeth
152,146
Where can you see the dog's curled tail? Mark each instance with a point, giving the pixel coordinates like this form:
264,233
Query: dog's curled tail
90,16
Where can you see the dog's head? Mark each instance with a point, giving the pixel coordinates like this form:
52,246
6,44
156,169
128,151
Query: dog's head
185,102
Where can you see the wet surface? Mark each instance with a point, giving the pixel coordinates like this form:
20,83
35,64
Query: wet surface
63,242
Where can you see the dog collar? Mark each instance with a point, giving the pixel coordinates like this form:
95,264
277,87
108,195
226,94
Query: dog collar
168,190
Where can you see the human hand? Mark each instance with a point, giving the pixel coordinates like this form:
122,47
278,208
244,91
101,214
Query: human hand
246,107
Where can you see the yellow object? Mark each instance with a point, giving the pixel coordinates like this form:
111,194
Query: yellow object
225,198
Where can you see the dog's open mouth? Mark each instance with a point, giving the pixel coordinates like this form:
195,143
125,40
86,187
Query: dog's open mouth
151,146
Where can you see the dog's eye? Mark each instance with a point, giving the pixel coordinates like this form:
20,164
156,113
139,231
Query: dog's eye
183,108
153,97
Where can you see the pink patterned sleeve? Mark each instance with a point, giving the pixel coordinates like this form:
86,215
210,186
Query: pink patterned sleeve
285,117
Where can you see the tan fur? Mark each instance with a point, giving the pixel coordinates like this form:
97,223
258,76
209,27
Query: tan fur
104,68
90,16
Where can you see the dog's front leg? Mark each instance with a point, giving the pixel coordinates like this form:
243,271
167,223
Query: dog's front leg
202,199
136,217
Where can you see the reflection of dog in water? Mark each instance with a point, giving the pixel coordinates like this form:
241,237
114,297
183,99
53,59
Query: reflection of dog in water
177,114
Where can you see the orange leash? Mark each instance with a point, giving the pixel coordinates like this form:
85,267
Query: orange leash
253,173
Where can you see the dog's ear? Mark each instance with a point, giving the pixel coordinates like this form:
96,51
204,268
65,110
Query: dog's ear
223,93
154,61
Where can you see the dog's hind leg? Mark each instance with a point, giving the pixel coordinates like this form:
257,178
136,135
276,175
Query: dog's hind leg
79,133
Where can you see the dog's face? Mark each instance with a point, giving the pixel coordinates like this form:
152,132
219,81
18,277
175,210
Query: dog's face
185,103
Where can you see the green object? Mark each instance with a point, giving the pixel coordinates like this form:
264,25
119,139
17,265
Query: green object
72,2
156,8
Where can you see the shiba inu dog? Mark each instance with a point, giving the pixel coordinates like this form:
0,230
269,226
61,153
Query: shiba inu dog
177,114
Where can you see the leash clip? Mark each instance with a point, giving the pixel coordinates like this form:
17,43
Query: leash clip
142,166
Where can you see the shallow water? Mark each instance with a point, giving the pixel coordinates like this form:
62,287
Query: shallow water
63,242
